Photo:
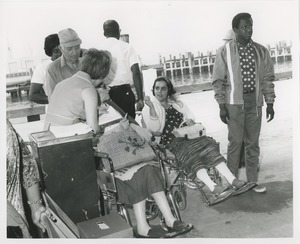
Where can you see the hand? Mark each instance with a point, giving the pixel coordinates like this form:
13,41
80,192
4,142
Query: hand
270,112
36,214
190,122
148,101
139,105
224,115
124,123
143,132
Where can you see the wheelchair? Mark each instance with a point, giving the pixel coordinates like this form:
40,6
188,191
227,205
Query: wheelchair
107,182
178,180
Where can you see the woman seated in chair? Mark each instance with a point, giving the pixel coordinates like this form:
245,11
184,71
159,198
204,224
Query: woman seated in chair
163,114
137,183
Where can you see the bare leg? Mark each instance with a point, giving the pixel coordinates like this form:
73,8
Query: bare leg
162,202
140,215
223,169
204,177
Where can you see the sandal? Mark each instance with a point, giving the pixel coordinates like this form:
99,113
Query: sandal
180,227
151,234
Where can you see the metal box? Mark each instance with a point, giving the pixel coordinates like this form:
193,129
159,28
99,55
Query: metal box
108,226
69,175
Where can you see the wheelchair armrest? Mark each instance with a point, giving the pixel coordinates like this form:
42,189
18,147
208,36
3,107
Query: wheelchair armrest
165,154
104,161
101,154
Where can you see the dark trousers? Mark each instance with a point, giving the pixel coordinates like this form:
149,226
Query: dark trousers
124,98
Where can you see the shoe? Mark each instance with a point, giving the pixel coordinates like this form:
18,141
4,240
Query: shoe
151,234
260,189
179,226
238,183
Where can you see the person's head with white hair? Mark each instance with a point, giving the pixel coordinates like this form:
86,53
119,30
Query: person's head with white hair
69,45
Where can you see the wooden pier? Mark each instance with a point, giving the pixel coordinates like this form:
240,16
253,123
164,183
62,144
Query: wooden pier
200,63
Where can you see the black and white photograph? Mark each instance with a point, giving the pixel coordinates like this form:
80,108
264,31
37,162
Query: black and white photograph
164,120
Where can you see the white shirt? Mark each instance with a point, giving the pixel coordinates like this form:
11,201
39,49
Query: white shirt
123,57
39,74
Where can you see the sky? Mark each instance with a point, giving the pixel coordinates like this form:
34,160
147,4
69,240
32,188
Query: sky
155,27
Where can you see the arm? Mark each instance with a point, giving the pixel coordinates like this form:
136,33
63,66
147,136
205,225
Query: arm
30,182
51,81
219,79
35,203
268,86
138,84
219,83
37,94
152,117
90,98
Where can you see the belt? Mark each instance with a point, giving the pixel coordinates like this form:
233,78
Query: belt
121,86
248,92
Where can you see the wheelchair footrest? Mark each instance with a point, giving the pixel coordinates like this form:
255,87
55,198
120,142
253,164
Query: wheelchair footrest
244,188
223,196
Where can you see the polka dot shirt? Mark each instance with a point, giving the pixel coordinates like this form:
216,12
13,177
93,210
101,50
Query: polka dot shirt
247,63
173,121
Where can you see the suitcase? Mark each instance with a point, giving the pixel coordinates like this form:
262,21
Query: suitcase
108,226
69,176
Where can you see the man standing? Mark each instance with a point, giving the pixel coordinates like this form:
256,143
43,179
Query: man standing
243,75
68,64
38,92
125,70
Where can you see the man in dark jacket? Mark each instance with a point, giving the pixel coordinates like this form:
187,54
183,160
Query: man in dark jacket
243,76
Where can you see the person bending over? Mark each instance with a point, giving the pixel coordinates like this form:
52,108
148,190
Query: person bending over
77,98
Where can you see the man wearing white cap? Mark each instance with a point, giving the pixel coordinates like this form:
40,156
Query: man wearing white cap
68,64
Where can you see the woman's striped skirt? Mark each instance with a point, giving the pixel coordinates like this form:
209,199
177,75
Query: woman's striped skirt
195,154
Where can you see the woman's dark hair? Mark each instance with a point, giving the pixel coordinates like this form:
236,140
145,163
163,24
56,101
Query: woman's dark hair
237,19
96,63
51,42
171,90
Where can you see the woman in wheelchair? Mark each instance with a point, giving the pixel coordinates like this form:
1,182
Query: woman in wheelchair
140,182
163,114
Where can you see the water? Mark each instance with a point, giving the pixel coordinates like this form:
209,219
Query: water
179,80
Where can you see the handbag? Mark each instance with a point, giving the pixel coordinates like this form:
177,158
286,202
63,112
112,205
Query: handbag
125,148
190,131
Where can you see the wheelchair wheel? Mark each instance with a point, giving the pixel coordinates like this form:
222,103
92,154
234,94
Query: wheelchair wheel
179,195
152,211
